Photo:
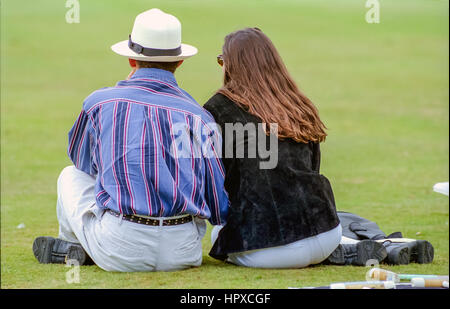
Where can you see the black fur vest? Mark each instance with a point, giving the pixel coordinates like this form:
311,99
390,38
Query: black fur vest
270,207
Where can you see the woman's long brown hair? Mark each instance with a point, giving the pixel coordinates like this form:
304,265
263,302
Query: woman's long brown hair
257,79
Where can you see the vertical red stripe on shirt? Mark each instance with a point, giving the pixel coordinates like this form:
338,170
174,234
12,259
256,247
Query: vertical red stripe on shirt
194,180
99,140
113,159
174,150
156,157
143,169
216,200
127,179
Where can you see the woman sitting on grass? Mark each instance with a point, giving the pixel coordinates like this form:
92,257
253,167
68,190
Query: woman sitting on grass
283,216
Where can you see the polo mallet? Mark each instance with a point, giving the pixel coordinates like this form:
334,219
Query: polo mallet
363,285
427,282
378,274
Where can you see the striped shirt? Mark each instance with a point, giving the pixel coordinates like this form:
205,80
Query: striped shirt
129,137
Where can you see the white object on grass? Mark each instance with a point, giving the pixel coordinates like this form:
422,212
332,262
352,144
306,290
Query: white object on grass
21,226
441,187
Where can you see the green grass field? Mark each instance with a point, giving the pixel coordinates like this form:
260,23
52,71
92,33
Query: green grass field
381,89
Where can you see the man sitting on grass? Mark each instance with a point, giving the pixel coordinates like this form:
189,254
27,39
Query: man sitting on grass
130,202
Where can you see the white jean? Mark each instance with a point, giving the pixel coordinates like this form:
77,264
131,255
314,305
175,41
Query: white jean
299,254
118,245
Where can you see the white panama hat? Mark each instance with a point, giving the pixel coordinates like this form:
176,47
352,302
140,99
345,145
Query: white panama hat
156,36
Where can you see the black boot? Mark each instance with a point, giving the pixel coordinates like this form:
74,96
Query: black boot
417,251
357,254
53,250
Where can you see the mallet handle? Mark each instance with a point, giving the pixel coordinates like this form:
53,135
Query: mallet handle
424,282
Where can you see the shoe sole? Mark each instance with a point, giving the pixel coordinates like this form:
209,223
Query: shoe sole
42,249
422,252
369,250
399,256
337,256
76,253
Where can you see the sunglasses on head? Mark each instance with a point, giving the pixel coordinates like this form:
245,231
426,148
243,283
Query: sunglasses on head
220,60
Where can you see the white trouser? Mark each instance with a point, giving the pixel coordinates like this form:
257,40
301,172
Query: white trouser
118,245
299,254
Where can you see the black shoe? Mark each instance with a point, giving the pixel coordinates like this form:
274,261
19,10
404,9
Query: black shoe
357,254
401,253
53,250
397,254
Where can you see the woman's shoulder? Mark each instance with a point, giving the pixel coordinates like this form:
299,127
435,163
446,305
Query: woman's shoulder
218,102
223,109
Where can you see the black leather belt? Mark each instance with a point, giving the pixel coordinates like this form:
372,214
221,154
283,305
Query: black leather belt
150,221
